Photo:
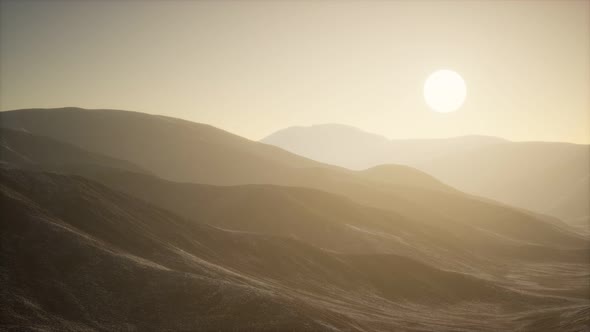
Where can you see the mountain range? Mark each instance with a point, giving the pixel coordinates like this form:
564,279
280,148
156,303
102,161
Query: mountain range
546,177
120,220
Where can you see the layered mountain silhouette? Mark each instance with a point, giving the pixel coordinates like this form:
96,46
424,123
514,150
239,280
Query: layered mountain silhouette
117,220
172,148
546,177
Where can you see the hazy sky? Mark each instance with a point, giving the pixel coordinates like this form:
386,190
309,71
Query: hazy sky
256,67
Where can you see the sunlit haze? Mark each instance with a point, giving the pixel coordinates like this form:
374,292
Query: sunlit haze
255,67
309,166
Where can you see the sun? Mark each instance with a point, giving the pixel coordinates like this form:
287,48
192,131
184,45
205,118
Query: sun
445,91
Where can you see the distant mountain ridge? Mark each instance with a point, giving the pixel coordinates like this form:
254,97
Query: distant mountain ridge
353,148
222,157
546,177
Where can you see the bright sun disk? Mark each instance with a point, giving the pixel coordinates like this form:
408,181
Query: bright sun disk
444,91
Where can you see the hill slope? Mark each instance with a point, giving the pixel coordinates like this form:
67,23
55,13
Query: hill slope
172,148
270,252
339,224
21,149
419,223
407,192
111,262
551,178
353,148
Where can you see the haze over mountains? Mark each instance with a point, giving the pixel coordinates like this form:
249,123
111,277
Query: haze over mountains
126,221
546,177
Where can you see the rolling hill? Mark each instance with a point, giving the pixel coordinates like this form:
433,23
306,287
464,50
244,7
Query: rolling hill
77,255
289,244
21,149
386,209
545,177
352,148
171,148
193,152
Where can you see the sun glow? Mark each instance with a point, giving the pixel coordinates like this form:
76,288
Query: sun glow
444,91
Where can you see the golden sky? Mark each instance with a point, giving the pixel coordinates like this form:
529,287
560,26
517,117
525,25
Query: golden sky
255,67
